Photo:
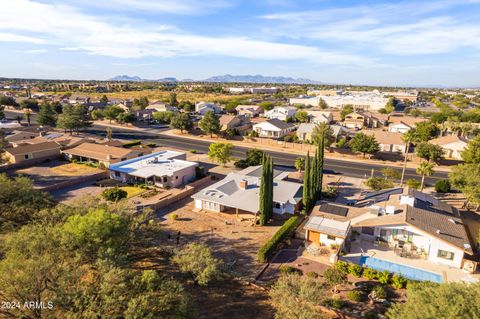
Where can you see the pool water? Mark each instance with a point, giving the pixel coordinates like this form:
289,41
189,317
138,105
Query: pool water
405,271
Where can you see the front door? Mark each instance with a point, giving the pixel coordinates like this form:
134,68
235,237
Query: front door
314,237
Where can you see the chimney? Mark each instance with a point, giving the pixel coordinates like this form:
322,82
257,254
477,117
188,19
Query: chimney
243,184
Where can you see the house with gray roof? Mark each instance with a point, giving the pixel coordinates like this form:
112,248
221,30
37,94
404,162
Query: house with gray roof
240,192
273,128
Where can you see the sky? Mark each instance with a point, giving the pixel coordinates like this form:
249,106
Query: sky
393,43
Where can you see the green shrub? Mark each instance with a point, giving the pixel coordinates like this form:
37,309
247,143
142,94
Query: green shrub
398,282
152,145
114,194
369,273
285,269
269,247
380,292
355,270
132,143
355,295
174,216
241,163
342,142
383,277
335,303
193,151
413,183
370,315
443,186
378,183
312,274
342,266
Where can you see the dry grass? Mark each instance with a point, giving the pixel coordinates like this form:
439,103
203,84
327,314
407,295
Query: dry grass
72,169
164,96
133,191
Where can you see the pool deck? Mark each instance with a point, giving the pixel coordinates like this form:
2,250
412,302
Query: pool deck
367,248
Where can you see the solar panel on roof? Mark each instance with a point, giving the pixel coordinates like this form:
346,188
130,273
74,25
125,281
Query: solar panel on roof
335,210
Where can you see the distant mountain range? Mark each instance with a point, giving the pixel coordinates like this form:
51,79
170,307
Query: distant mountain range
126,78
227,78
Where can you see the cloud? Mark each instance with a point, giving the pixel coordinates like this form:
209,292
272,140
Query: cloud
70,29
35,51
401,28
11,37
181,7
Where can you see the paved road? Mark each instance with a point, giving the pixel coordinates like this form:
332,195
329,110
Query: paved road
353,168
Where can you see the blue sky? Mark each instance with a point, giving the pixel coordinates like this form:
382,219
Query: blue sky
362,42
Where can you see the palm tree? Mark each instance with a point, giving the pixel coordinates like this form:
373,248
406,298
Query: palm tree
27,116
408,137
425,169
300,164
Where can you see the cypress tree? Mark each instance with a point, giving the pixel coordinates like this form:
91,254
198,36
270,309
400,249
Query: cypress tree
270,188
314,178
263,202
306,199
321,161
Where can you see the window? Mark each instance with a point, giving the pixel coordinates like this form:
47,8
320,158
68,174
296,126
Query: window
117,174
445,254
330,237
26,156
176,177
277,205
368,231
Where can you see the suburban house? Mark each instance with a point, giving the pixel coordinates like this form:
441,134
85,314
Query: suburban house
249,110
388,141
203,107
399,226
354,120
326,232
162,169
100,153
453,145
281,113
29,152
15,137
273,128
65,141
318,117
238,123
399,127
240,193
161,107
304,131
402,124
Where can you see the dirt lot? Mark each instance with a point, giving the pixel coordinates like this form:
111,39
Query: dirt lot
235,242
51,173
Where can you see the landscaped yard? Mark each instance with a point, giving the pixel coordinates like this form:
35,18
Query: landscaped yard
133,190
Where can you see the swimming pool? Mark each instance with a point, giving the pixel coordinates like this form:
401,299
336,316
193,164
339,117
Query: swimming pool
405,271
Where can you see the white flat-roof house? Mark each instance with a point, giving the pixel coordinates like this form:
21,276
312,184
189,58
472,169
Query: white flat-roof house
241,192
453,145
281,113
203,107
273,128
162,169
